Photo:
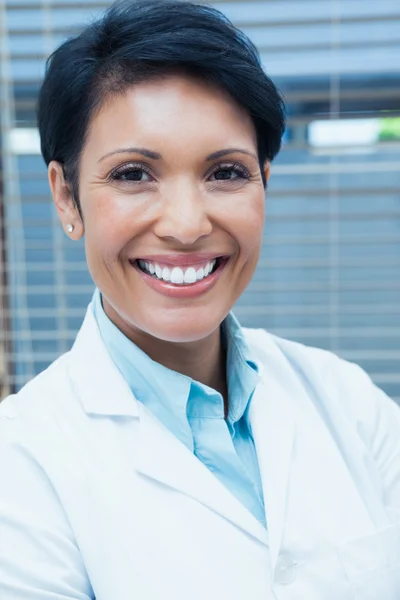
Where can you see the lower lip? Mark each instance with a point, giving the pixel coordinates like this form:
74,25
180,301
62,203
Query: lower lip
182,291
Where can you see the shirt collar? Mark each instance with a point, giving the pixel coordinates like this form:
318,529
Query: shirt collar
242,370
141,372
174,397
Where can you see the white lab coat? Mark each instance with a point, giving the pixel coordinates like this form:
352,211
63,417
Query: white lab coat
99,499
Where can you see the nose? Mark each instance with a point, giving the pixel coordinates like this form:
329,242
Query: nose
183,216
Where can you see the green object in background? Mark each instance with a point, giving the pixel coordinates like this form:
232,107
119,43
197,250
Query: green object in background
389,129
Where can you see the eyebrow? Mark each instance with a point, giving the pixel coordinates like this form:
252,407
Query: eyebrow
144,151
157,156
221,153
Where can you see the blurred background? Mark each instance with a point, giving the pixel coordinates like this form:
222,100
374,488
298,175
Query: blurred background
329,273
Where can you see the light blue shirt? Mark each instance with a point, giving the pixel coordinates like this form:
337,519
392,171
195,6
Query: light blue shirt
194,412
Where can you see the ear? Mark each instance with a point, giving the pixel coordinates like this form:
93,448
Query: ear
267,170
64,201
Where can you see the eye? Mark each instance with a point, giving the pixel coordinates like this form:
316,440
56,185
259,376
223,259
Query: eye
230,173
135,173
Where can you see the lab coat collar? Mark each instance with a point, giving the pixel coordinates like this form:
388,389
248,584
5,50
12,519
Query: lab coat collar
98,382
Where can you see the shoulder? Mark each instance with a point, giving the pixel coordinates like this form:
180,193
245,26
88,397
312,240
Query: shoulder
47,394
337,386
324,366
325,375
36,465
41,428
297,355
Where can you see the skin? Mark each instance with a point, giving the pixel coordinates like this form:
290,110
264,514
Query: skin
178,205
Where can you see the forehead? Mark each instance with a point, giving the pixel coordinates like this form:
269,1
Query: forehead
172,111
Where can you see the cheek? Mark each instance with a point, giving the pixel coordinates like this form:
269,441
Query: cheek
247,223
110,223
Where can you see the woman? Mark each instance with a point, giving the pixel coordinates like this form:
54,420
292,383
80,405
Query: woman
170,453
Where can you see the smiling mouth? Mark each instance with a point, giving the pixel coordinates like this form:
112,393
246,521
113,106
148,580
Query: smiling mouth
180,275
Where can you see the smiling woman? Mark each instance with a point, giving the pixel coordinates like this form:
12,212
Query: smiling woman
169,176
172,453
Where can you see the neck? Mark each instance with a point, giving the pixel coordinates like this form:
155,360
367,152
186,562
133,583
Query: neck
202,360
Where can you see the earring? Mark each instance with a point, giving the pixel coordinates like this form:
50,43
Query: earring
69,228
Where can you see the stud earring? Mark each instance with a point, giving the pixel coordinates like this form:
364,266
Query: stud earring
69,228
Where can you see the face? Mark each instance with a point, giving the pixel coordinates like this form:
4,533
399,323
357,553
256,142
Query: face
173,207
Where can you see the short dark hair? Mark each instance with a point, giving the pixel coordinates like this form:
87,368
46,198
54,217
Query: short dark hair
136,41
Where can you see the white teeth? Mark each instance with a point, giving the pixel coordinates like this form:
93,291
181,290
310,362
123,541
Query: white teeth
176,275
200,274
210,266
166,274
190,275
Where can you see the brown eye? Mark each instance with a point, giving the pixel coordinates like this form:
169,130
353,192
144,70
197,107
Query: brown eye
230,173
131,173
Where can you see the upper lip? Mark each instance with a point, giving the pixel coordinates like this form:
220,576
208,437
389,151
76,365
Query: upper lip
181,260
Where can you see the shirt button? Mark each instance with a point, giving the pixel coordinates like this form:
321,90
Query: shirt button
285,571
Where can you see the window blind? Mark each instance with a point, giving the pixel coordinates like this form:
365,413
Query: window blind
329,268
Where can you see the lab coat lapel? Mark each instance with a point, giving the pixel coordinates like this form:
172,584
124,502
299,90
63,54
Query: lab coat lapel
97,381
272,419
161,456
102,390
